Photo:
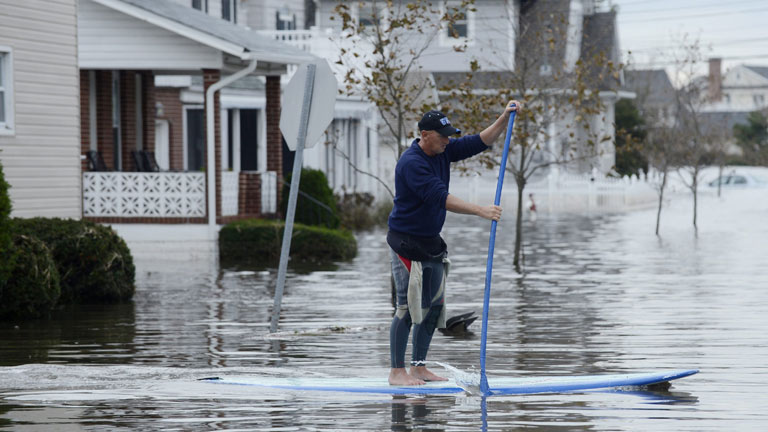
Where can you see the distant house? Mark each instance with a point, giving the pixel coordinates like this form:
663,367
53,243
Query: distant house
729,98
39,118
654,94
743,88
147,68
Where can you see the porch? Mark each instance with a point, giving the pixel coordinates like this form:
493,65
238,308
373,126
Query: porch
158,153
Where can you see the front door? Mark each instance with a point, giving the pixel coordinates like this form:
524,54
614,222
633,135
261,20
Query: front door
195,134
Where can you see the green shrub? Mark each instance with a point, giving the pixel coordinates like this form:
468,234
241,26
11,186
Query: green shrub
261,240
315,184
6,257
94,263
33,286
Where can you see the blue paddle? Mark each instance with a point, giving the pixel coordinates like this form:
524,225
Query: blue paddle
489,269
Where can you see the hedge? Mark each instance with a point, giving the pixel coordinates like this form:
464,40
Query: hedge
94,263
261,240
315,184
6,256
33,287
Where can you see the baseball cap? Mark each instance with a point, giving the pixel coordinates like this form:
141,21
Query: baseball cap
437,121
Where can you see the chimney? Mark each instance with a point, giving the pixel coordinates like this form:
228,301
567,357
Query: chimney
715,79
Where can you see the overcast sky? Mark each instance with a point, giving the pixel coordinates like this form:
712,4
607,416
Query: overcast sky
735,30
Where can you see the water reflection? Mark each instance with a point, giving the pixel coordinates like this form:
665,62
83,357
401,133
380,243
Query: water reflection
600,294
77,334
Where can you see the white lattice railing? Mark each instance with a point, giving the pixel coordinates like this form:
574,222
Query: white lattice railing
269,192
154,195
230,189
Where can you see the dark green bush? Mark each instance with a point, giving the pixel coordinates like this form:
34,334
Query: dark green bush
6,257
261,240
33,286
94,263
315,184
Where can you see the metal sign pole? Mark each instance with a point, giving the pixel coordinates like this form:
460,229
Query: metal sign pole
291,211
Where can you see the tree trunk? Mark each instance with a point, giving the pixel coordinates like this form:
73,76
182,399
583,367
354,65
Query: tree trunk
661,200
519,227
695,204
719,179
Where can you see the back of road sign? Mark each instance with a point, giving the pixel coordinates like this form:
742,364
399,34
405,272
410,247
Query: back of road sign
321,108
498,385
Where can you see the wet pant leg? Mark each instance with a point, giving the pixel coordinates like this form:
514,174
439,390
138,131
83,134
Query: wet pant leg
432,278
401,322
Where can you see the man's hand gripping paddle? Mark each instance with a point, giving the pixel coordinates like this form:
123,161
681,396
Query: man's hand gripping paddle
489,269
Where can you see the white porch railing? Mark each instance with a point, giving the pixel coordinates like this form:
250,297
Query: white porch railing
230,188
269,192
153,195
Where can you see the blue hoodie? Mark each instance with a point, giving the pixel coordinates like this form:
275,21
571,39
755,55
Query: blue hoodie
421,186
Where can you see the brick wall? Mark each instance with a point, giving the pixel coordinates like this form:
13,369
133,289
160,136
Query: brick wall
128,118
274,136
104,116
148,109
173,112
85,112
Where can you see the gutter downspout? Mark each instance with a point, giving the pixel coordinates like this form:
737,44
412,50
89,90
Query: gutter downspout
211,138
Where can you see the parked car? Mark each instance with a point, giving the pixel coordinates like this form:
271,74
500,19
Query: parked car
738,180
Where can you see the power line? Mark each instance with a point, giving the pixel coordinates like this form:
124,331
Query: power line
713,43
729,5
680,17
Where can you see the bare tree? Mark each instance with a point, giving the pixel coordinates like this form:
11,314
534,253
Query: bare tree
562,97
381,53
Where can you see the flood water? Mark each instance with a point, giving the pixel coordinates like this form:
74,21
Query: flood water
601,294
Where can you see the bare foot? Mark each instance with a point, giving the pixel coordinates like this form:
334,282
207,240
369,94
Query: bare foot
398,376
422,372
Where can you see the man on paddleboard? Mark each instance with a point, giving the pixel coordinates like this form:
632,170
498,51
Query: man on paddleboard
418,253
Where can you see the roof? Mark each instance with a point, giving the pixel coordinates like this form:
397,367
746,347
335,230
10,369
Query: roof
599,37
722,121
203,28
480,80
652,86
762,70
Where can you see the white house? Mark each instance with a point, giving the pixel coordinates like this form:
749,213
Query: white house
742,88
39,117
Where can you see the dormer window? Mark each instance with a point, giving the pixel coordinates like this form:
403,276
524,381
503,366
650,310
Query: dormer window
461,30
201,5
285,19
369,17
229,10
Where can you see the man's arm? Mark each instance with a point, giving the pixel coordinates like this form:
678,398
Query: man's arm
457,205
492,132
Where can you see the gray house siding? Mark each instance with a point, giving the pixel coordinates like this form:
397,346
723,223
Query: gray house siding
491,38
41,157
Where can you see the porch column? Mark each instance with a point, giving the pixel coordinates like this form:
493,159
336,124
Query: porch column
210,77
274,136
104,137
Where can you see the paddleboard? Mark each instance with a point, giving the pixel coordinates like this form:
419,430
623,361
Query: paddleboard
498,385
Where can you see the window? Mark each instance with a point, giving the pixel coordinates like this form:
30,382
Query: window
229,10
759,100
194,135
369,16
285,19
462,27
201,5
6,91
